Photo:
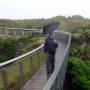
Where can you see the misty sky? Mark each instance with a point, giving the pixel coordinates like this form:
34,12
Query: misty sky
28,9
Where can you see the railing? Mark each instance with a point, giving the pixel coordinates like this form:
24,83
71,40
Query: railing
16,72
19,31
56,80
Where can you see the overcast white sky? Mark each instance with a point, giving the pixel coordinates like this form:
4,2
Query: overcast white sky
28,9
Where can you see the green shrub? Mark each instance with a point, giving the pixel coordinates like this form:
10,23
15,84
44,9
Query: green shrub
29,42
7,48
80,71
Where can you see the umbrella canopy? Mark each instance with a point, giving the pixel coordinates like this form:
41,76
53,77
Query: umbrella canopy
50,28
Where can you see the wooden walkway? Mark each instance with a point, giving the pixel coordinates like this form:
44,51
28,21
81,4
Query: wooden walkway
39,80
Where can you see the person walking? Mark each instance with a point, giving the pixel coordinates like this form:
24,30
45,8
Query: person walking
50,49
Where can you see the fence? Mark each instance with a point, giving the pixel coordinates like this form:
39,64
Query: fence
16,72
56,80
19,31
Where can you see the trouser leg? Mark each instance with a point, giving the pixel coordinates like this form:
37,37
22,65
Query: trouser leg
52,62
48,65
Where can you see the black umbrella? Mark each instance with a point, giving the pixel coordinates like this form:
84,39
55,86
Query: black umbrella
50,28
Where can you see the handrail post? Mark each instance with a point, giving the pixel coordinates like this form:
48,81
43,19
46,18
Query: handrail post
38,59
58,84
54,86
4,79
57,87
31,65
6,31
21,73
22,32
14,32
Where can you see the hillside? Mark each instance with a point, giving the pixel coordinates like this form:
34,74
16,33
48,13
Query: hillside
67,22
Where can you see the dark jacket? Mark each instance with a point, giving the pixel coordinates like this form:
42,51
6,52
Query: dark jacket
50,46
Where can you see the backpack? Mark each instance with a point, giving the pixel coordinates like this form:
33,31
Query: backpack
50,46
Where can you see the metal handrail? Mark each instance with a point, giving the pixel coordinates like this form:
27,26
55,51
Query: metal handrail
19,57
54,77
21,69
53,80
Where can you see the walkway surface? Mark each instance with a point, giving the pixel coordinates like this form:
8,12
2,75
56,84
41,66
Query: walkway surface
39,80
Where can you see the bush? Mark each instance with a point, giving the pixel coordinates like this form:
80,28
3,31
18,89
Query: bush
80,71
7,48
29,42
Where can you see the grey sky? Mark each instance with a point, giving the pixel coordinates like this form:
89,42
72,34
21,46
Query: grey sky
28,9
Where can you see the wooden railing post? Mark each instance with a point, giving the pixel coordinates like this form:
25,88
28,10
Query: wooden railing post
31,66
22,32
38,59
58,80
4,79
6,31
14,32
21,74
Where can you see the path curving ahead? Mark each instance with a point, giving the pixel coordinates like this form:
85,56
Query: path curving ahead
39,80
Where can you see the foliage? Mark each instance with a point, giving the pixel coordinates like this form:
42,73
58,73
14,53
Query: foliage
11,47
29,42
7,48
85,27
70,23
80,46
26,40
81,52
80,71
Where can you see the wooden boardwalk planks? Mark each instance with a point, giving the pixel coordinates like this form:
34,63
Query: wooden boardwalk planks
40,78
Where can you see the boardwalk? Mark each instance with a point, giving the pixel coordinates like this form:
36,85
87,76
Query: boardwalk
39,80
